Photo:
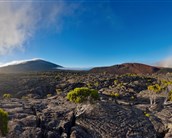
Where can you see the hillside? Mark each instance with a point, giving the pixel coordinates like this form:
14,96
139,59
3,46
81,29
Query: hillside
135,68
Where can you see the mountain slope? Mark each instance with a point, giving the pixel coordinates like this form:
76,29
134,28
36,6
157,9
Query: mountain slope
29,66
135,68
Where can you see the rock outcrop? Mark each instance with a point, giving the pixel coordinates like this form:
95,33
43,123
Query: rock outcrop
56,117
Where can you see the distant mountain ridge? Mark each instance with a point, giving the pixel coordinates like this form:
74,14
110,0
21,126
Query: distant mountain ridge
36,65
136,68
29,66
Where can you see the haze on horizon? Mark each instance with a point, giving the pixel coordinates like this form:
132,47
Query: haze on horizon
82,33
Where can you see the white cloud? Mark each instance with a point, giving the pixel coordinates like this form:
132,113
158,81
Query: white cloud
16,25
19,21
167,62
16,62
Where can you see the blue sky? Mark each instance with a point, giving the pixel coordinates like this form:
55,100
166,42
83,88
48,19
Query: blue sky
92,33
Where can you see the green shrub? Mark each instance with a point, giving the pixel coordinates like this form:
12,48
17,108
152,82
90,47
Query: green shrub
96,84
147,115
3,122
89,85
115,82
155,88
58,91
7,96
25,97
79,95
132,97
116,95
120,84
149,80
170,96
49,95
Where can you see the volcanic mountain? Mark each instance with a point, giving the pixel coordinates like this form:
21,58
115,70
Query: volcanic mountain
29,66
135,68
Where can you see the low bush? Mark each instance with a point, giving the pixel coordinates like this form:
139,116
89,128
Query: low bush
7,96
58,91
116,95
49,95
132,98
80,95
147,115
3,122
25,97
170,96
115,82
96,84
155,88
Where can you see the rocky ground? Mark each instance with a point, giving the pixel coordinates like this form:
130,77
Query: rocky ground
39,116
56,117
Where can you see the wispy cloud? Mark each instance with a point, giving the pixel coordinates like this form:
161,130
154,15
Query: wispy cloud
167,62
19,20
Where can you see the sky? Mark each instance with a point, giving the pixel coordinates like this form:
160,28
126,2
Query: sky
80,33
